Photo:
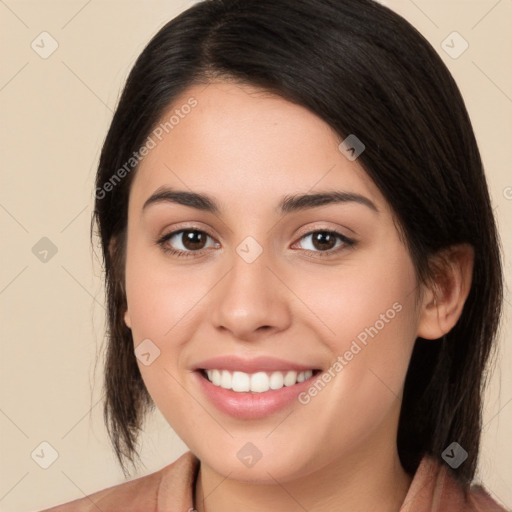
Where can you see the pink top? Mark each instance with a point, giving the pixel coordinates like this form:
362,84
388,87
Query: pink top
171,489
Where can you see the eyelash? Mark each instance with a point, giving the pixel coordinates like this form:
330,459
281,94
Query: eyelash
186,254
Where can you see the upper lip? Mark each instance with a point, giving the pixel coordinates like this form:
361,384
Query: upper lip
252,365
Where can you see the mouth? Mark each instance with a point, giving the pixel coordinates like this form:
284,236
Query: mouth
257,382
252,388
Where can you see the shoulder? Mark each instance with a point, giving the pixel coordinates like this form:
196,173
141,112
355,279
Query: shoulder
434,487
168,486
482,501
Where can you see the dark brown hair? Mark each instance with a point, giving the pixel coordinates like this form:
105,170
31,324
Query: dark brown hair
366,71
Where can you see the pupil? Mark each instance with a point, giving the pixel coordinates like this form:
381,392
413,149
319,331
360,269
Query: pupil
192,239
321,237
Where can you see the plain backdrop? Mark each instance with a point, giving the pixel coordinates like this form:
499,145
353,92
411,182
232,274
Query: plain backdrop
56,109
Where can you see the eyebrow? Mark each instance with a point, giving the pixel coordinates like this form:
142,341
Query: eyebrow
290,203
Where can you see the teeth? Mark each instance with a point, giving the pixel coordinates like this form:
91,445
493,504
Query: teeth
239,382
276,380
290,379
259,382
225,380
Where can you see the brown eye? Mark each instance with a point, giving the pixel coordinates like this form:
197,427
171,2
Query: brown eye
325,242
193,240
184,242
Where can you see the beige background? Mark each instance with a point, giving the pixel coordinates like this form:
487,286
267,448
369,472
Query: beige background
55,114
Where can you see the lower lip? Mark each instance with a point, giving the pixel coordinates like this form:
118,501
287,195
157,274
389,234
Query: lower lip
250,405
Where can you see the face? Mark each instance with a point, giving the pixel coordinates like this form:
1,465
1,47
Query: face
307,309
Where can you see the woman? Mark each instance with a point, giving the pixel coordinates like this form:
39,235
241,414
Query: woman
302,265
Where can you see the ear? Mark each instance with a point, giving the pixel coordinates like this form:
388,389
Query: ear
444,299
114,259
127,319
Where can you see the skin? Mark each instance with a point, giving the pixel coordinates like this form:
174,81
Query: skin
247,149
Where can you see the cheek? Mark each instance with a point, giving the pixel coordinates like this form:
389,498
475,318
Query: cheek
373,297
160,297
163,303
370,319
370,360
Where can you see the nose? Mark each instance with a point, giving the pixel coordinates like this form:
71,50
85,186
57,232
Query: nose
251,300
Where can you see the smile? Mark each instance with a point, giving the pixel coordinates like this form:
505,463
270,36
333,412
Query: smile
250,388
259,382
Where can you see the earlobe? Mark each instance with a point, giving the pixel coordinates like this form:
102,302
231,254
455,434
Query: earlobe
127,319
443,303
114,252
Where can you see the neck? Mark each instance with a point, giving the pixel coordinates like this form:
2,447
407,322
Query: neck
356,483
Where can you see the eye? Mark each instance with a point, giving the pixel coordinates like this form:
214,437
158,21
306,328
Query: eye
188,242
323,241
191,242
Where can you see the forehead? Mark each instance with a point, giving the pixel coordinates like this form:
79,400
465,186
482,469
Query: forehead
237,141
